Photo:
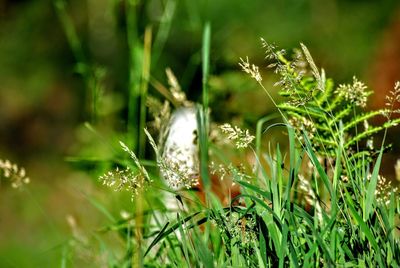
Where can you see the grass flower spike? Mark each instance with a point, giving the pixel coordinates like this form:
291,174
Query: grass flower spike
251,69
355,93
242,138
392,99
16,174
126,179
123,180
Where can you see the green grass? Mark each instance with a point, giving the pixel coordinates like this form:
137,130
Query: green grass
278,223
312,204
203,116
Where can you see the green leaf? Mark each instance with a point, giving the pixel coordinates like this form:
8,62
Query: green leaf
203,146
314,159
165,232
370,195
206,61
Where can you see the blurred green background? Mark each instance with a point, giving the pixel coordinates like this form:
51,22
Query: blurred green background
44,100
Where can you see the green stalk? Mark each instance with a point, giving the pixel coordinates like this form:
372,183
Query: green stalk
143,89
163,30
202,115
91,76
135,62
206,63
134,87
70,32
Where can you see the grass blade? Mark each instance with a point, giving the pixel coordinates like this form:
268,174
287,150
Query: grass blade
320,169
202,115
372,186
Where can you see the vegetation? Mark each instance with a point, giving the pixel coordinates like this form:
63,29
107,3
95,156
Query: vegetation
201,194
321,204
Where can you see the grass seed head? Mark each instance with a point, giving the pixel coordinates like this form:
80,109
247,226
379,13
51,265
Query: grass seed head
391,99
241,138
124,180
251,69
355,93
14,173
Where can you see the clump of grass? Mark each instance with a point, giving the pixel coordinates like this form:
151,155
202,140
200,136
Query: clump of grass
321,203
346,208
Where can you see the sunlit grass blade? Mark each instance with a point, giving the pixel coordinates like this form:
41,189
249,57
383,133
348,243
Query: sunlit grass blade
370,194
206,63
259,131
318,166
203,146
255,189
202,111
165,232
292,167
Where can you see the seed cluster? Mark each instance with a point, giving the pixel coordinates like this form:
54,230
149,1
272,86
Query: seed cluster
251,69
16,174
123,180
355,93
242,138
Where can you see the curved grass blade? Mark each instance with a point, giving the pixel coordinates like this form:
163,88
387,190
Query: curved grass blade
165,232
